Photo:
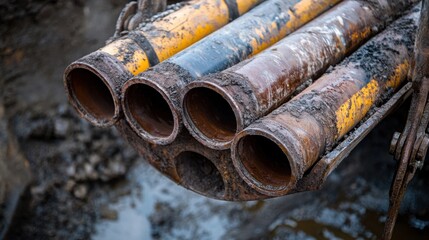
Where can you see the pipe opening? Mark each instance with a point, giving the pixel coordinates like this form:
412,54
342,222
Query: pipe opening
210,114
199,174
92,94
264,160
150,110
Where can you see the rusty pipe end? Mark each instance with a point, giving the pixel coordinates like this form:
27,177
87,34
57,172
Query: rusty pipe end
150,111
200,174
91,89
211,114
265,162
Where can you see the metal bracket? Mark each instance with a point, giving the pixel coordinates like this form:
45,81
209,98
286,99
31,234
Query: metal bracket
135,12
410,146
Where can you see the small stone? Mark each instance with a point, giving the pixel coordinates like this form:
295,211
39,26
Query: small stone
88,168
117,168
93,175
108,213
71,170
63,110
69,185
61,127
83,137
80,175
80,191
38,190
79,159
94,159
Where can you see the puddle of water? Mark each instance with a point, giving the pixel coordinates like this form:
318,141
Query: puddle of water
187,215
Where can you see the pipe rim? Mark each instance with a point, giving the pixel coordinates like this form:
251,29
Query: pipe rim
79,107
254,183
139,130
195,131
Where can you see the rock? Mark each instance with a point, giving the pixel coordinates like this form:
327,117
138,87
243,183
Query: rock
89,169
108,213
69,185
80,191
38,190
94,159
71,170
61,127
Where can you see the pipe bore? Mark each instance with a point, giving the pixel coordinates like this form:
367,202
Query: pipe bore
263,162
91,95
207,112
148,111
199,174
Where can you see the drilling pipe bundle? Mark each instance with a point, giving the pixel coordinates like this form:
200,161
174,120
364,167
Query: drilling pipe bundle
260,116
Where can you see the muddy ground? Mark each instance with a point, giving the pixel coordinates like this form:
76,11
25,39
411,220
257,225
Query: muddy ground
86,183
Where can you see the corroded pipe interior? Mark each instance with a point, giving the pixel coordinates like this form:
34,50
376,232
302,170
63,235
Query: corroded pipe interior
210,114
199,174
264,160
150,110
91,93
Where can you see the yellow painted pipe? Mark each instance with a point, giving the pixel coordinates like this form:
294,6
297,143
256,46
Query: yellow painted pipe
93,82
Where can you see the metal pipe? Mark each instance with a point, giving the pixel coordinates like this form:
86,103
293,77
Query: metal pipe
273,153
253,88
93,83
151,101
188,163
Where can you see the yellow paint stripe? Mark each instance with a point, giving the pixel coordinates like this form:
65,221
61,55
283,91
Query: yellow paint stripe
306,10
356,107
354,110
115,48
174,35
357,36
139,63
246,5
301,13
129,53
401,73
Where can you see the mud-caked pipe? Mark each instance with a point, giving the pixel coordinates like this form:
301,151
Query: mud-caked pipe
218,106
273,153
152,101
188,163
93,83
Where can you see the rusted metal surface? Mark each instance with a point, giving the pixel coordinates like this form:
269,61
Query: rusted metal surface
193,166
253,88
410,147
152,101
299,132
317,175
93,83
